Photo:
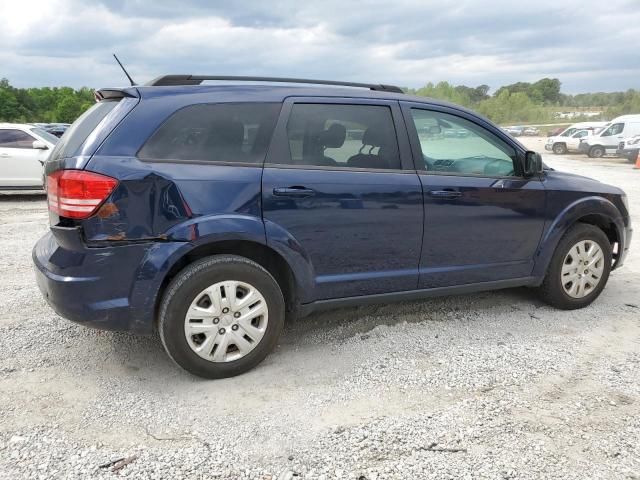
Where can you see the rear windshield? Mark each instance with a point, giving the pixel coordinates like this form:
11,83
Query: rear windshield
76,134
229,133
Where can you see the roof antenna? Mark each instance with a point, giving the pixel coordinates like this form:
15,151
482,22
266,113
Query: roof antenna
133,84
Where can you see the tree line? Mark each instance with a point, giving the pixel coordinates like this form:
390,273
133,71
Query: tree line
520,102
47,105
525,102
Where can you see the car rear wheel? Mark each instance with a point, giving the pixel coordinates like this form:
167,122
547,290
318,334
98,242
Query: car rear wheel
633,156
559,148
221,316
596,152
579,269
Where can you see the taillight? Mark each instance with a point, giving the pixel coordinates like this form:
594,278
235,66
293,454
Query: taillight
77,193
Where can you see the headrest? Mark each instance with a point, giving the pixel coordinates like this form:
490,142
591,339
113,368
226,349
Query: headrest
375,136
333,137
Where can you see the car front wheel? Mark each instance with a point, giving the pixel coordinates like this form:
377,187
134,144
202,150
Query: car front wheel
579,268
596,152
559,148
221,316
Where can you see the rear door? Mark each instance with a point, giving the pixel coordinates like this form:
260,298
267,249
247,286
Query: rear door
339,186
483,220
19,161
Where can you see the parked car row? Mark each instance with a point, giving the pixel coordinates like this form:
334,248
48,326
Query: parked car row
23,150
519,131
596,139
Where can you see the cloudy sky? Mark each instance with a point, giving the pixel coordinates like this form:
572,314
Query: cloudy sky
590,45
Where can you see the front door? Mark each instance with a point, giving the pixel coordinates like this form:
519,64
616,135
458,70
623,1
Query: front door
19,161
339,185
483,219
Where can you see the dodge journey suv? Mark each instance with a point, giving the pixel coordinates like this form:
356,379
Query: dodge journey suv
211,212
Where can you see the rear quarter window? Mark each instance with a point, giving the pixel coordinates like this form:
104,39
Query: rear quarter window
227,133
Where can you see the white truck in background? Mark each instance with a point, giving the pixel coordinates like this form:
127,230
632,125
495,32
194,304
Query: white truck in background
569,139
609,139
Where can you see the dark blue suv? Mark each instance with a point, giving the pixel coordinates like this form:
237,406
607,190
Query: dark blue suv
212,212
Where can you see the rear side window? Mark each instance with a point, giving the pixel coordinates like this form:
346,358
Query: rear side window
76,134
11,138
343,136
234,133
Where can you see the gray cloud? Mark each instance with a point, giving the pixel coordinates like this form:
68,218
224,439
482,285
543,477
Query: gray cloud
407,42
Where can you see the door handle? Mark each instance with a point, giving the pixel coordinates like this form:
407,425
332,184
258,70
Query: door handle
445,193
293,192
4,154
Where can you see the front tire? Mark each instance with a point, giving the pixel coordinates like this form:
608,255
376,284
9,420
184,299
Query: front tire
221,316
559,148
596,152
579,268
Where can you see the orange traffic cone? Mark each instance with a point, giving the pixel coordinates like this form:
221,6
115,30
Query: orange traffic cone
637,165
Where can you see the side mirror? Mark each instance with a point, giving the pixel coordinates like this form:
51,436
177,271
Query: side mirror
532,164
39,145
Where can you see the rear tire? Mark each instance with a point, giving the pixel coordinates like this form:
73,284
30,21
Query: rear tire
559,148
248,331
632,157
556,288
596,152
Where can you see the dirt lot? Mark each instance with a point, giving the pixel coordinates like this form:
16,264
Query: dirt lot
492,385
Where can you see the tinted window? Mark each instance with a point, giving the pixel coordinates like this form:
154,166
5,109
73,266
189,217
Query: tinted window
77,133
11,138
215,133
347,136
453,144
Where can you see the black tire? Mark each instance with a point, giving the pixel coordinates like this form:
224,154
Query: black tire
632,157
559,148
597,151
188,284
551,291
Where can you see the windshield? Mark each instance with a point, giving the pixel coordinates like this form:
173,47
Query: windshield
568,132
45,135
614,129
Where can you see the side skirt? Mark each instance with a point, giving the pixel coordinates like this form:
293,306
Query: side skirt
333,303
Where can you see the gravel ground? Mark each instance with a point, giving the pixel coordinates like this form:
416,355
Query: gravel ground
492,385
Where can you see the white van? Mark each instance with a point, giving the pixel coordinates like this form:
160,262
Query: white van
559,144
609,139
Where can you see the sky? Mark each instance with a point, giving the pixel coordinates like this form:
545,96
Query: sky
589,45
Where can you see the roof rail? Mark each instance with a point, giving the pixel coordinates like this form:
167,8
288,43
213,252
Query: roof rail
175,80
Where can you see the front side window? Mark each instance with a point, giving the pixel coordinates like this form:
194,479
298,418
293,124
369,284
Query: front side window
342,136
11,138
568,132
453,144
614,129
231,132
580,134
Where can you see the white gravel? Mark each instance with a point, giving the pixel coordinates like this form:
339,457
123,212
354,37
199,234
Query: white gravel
493,385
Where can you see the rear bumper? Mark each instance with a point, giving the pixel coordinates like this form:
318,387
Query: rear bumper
110,288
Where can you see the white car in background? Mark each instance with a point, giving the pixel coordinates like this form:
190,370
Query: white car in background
23,151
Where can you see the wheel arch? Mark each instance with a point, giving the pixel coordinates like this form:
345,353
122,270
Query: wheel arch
260,253
596,211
